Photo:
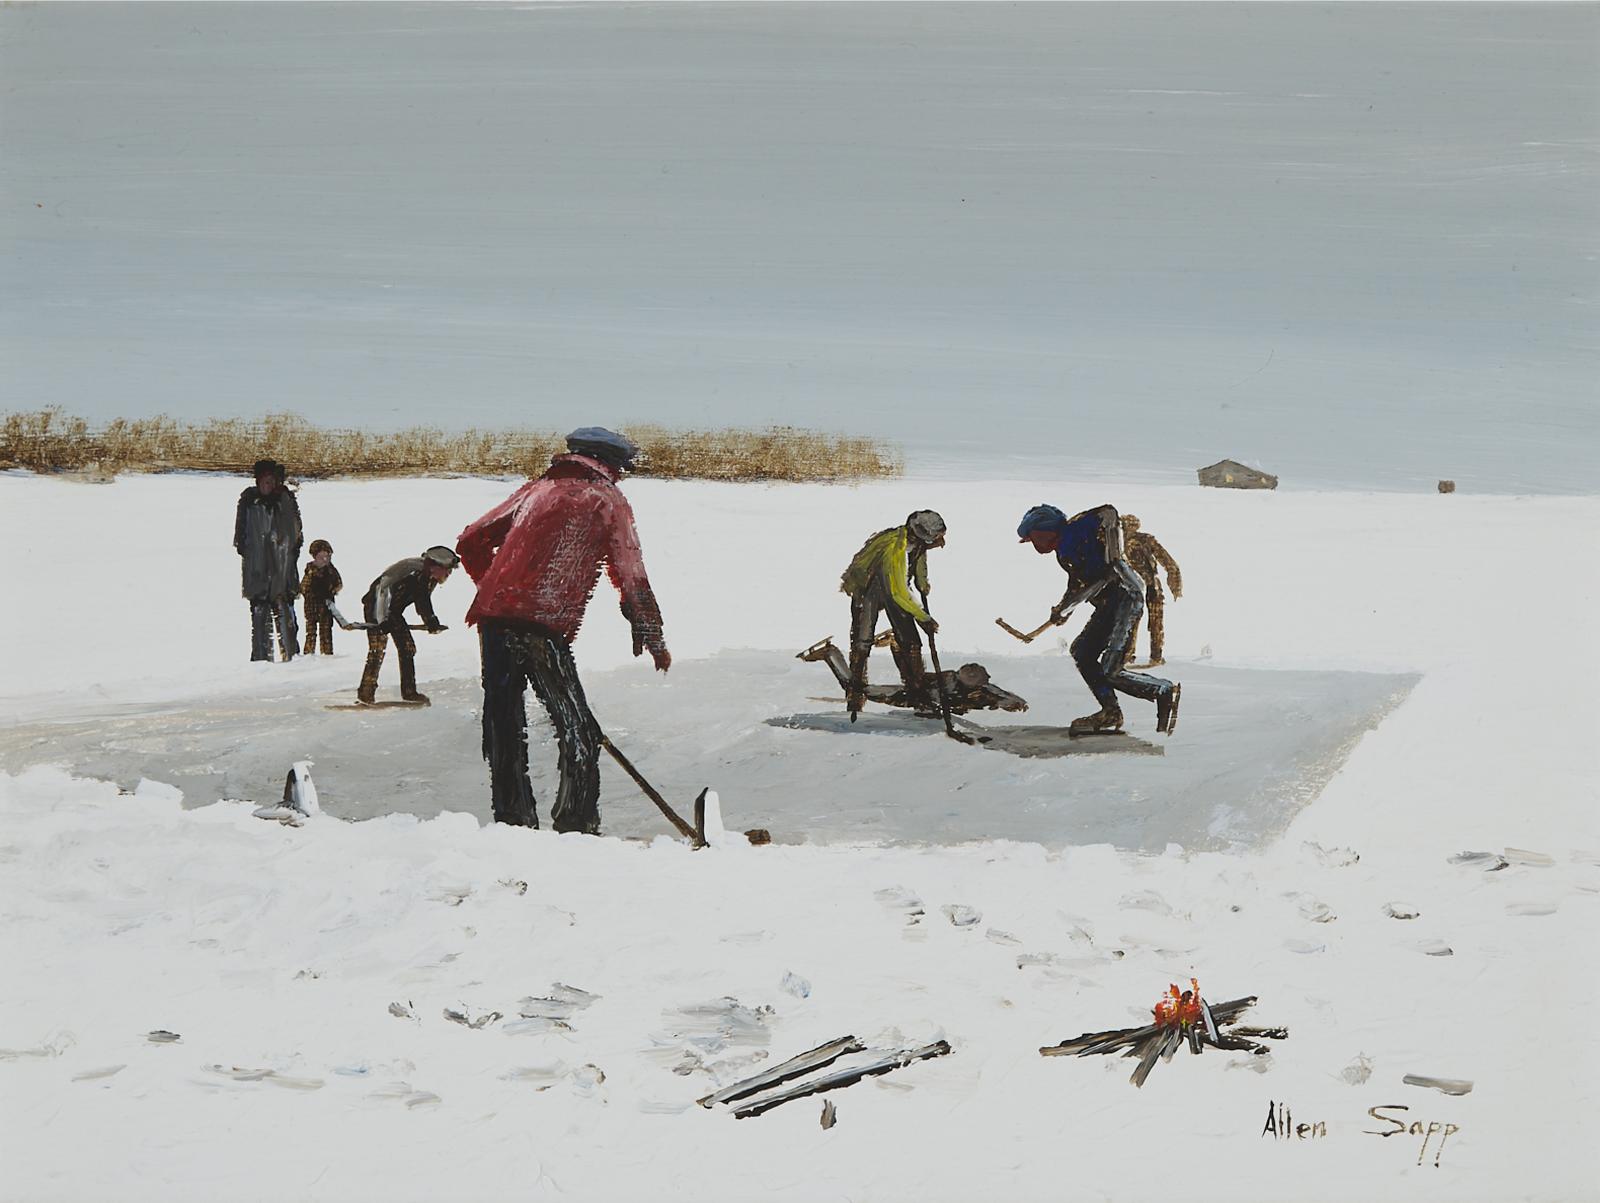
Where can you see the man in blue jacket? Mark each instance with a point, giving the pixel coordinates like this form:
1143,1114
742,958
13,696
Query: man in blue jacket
1088,546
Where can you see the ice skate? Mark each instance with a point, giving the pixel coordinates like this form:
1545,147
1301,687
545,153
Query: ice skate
1167,709
1107,720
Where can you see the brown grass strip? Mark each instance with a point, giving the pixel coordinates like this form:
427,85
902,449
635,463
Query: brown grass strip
50,440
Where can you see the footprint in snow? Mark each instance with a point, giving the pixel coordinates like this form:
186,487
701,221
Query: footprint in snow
898,898
238,1074
1145,900
464,1017
99,1075
405,1093
700,1031
1532,908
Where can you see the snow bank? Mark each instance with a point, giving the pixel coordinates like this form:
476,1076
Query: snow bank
274,953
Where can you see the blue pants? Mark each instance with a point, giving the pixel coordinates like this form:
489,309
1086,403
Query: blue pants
1110,630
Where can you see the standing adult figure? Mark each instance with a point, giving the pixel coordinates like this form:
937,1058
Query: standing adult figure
536,559
1088,546
267,536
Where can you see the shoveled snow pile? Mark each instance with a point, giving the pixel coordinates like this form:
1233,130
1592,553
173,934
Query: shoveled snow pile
203,1004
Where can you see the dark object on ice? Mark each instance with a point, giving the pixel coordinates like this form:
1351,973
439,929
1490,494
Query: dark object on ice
968,687
818,1058
159,1036
1231,474
1443,1085
1447,486
758,835
830,1114
1181,1018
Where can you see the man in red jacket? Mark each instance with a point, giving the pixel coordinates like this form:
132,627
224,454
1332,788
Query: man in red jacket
536,560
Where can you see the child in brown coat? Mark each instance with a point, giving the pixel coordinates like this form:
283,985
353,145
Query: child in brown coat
319,586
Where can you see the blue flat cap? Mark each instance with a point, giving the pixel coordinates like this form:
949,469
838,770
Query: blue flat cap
616,449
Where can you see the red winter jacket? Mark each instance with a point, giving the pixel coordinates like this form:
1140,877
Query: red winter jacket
536,556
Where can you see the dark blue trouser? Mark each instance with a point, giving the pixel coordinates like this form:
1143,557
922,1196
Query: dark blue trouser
1110,629
263,615
516,655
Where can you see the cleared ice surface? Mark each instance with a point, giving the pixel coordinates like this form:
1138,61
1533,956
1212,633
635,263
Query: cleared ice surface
770,735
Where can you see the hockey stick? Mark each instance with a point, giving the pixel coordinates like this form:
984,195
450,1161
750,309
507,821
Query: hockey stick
346,625
938,677
673,817
1031,635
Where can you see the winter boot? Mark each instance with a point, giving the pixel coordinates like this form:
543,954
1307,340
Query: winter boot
411,695
1107,718
920,689
1167,709
367,693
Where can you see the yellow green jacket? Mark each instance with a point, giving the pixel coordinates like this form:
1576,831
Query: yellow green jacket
886,566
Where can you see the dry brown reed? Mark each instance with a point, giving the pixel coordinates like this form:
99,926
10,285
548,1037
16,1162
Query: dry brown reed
50,440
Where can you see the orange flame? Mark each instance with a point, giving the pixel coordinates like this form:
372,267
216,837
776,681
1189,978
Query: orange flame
1179,1008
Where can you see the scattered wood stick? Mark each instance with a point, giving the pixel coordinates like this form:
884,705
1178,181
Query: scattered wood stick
816,1058
843,1077
1159,1041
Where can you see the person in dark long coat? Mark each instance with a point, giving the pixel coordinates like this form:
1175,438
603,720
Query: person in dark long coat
267,536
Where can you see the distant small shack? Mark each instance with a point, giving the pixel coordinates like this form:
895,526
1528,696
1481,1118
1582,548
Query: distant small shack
1231,474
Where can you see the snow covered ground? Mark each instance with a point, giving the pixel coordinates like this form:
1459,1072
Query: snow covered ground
279,955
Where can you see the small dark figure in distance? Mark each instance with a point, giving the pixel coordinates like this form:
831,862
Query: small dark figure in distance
880,580
318,587
1088,546
267,536
408,582
1147,557
536,559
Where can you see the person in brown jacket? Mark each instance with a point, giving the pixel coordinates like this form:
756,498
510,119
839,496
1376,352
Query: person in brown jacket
319,586
1147,557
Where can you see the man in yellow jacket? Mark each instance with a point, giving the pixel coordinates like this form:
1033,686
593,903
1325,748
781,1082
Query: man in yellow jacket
880,580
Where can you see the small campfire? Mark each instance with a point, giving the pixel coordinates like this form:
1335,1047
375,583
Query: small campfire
1181,1017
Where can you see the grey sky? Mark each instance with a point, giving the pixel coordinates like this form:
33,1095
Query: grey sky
1356,243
